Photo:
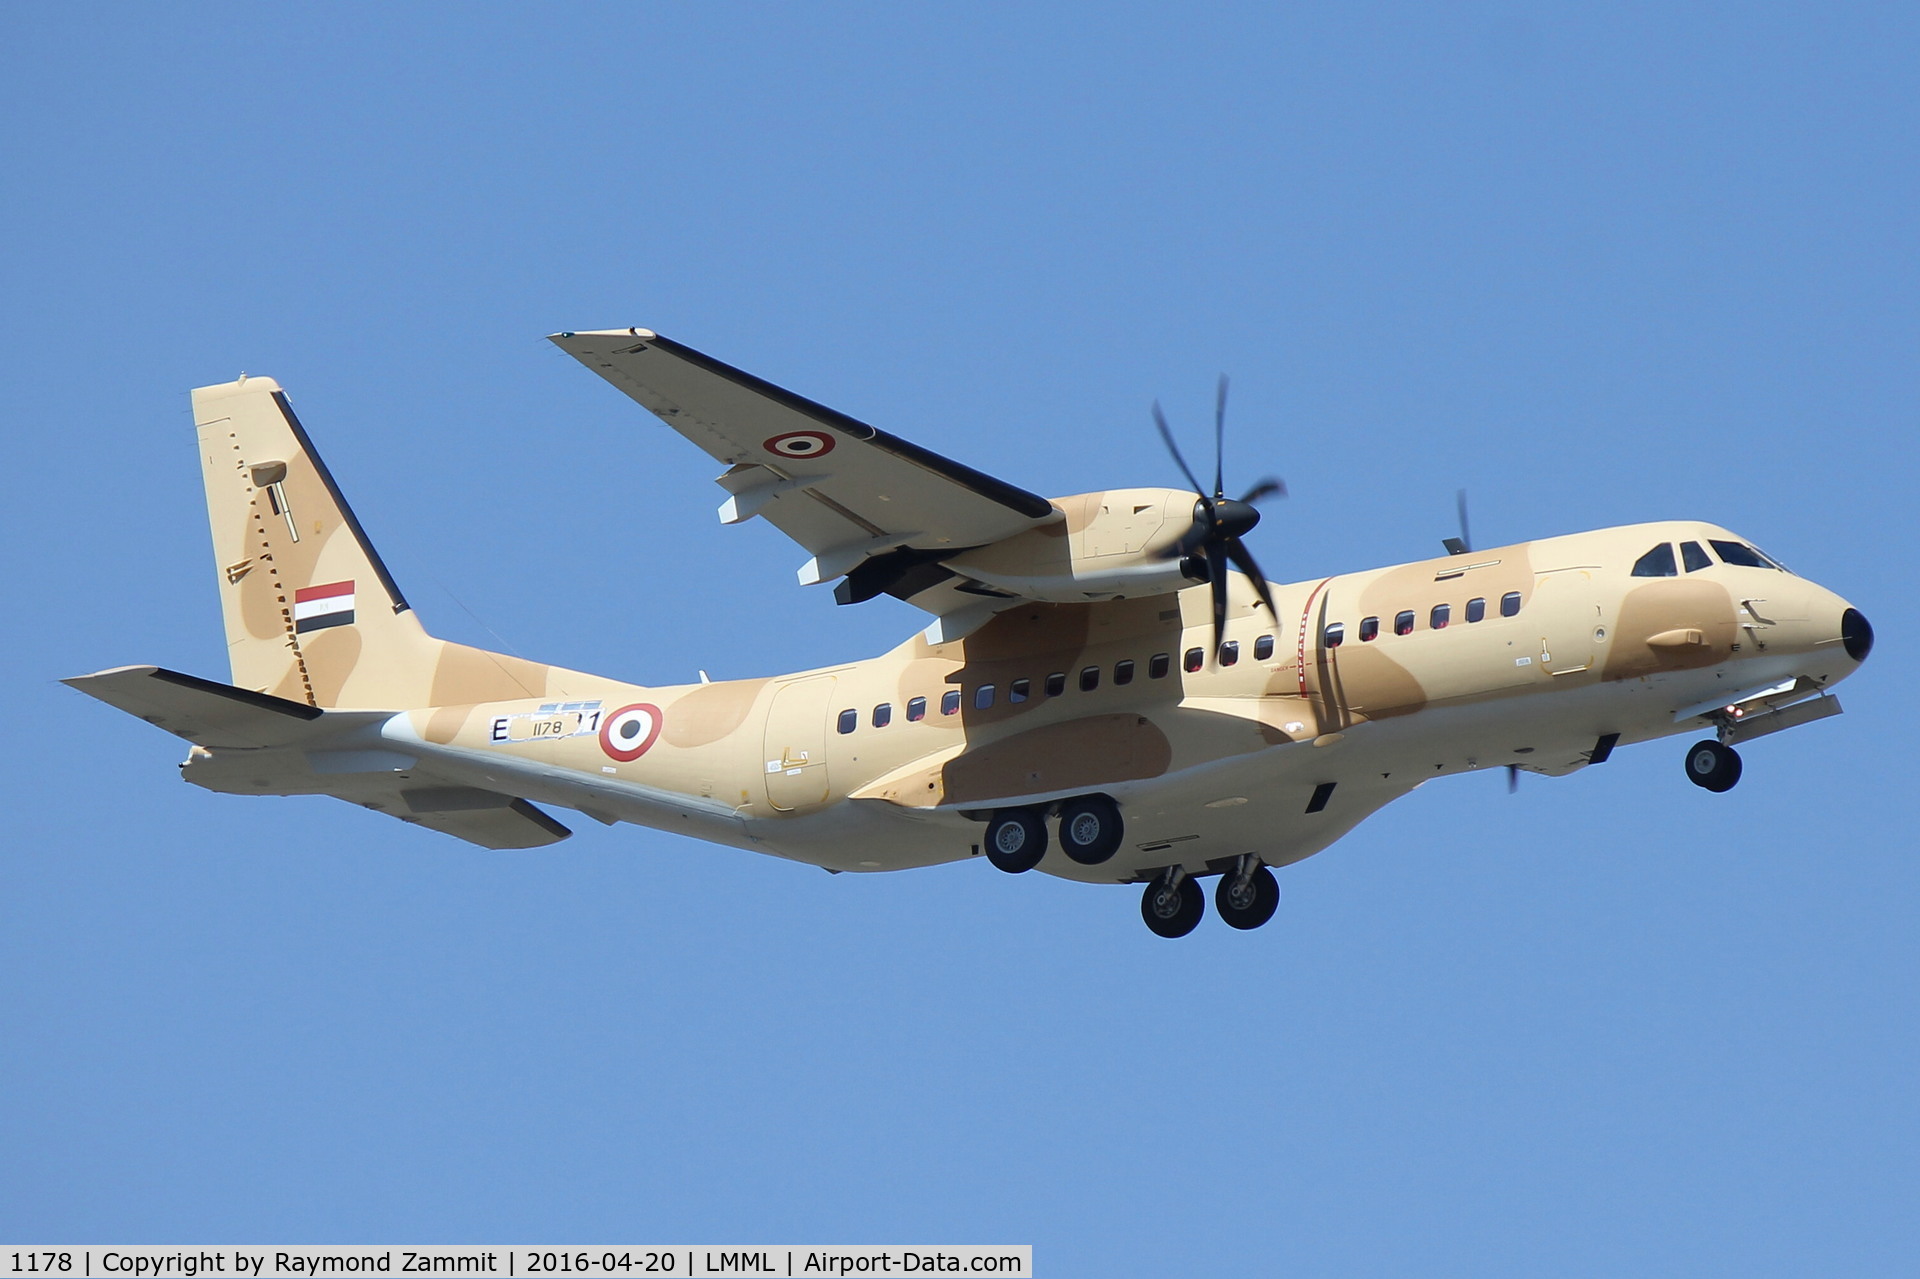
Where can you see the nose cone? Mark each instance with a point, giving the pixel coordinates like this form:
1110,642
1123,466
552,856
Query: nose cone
1856,633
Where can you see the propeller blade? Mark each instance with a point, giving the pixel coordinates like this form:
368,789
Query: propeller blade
1217,570
1513,778
1166,434
1243,560
1271,486
1220,439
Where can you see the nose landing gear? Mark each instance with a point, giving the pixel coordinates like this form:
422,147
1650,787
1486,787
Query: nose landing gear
1712,766
1248,895
1173,904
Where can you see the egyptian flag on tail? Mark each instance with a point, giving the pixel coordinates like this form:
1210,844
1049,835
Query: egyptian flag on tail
318,607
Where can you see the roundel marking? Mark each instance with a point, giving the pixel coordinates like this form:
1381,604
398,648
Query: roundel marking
626,734
800,444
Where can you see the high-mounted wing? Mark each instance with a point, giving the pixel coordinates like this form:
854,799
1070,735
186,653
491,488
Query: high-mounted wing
869,506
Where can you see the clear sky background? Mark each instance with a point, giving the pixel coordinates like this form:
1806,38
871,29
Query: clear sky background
1652,262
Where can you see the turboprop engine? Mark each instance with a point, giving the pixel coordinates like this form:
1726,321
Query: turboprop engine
1118,544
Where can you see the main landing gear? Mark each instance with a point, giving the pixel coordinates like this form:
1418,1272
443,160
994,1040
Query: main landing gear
1090,833
1713,766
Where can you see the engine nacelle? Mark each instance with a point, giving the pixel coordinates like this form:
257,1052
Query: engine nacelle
1111,545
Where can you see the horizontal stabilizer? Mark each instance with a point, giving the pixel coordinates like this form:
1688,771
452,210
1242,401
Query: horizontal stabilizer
480,817
258,744
212,714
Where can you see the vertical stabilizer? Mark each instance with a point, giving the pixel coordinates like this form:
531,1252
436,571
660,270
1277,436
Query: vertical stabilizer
312,615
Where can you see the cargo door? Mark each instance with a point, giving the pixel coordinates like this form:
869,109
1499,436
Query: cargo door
796,743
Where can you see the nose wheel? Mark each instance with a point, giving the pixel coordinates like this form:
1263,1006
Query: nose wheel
1173,904
1712,766
1248,895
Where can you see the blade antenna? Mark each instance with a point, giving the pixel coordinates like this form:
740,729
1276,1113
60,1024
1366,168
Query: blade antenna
1460,503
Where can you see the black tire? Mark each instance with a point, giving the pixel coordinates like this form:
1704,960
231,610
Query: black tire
1712,766
1016,840
1090,829
1252,907
1176,912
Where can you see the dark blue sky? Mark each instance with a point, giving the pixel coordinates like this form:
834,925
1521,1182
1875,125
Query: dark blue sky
1656,262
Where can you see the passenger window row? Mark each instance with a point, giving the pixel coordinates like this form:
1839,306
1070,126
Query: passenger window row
1439,617
1021,690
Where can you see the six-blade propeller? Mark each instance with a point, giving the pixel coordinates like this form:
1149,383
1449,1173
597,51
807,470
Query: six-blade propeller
1219,521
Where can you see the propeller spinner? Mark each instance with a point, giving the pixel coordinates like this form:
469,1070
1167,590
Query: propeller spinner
1219,521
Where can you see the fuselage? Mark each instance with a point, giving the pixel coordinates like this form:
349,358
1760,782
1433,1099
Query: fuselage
1363,686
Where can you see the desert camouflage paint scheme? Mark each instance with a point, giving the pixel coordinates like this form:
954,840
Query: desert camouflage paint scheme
1068,656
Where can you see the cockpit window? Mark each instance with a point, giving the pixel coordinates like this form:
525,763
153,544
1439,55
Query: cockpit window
1694,557
1657,563
1742,554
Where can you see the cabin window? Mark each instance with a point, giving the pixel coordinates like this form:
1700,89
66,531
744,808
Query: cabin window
1229,652
1123,671
1476,609
1334,635
1263,648
1194,660
1403,623
1056,683
950,702
849,720
1695,557
1441,615
1158,665
1089,679
1019,690
1742,554
883,715
983,696
1658,562
1510,604
1369,629
916,710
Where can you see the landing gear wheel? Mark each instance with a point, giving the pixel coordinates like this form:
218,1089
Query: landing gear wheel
1713,766
1173,908
1249,904
1016,840
1090,829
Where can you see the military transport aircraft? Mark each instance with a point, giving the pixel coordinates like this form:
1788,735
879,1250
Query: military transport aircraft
1110,690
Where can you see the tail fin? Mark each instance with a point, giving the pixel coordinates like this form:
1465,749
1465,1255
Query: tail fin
312,614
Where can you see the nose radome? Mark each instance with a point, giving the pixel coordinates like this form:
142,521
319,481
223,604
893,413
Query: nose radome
1856,632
